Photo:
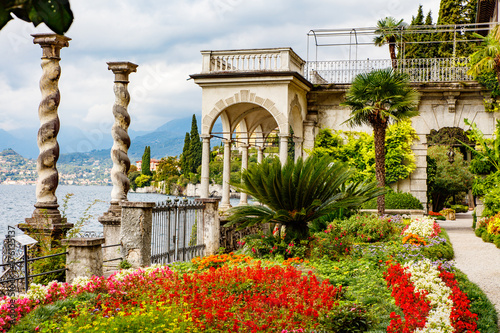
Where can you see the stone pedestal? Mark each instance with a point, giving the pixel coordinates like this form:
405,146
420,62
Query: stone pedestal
211,225
135,233
84,257
111,223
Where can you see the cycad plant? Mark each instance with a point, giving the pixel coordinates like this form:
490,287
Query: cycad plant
297,193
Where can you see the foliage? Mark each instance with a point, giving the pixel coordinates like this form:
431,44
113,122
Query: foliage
486,57
491,202
124,264
377,99
357,150
185,158
419,45
455,12
56,14
132,176
460,208
347,318
167,167
195,147
143,180
333,243
396,200
489,148
371,228
146,162
272,244
297,193
451,178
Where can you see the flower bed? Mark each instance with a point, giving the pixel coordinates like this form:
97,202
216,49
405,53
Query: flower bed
248,299
429,298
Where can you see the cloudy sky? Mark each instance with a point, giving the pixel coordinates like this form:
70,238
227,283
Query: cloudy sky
164,38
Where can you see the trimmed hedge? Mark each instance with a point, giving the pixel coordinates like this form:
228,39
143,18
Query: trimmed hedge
396,200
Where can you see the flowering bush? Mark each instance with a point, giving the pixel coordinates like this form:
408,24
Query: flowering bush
429,298
414,240
493,224
370,228
218,260
423,227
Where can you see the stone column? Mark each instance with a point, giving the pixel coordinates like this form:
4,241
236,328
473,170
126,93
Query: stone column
298,147
244,166
226,176
205,167
260,154
121,140
309,136
84,257
211,225
418,179
135,233
283,148
46,219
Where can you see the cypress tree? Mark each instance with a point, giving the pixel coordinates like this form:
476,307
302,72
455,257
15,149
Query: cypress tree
195,147
185,154
431,49
413,50
146,161
456,12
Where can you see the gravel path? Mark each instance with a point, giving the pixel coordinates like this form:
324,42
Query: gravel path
479,260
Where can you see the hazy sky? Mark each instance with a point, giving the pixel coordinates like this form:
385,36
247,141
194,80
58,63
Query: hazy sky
165,38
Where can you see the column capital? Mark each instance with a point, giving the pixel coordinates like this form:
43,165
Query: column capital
206,136
51,44
122,69
283,135
298,140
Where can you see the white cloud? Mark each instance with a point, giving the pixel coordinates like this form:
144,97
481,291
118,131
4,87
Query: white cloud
164,38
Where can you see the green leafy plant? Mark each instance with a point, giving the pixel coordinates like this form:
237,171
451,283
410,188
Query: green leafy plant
297,193
124,264
396,200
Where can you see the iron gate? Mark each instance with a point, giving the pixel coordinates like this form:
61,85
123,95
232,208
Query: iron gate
177,233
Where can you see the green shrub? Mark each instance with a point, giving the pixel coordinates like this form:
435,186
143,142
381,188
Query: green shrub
437,249
492,202
396,200
460,208
486,236
333,243
496,241
371,228
474,220
347,318
479,231
439,218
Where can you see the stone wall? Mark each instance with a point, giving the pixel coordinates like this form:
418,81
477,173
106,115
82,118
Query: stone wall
441,105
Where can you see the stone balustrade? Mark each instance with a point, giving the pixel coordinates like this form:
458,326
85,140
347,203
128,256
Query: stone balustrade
252,60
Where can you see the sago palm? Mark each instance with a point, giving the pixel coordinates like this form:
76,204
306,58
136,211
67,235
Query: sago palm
297,193
376,99
388,32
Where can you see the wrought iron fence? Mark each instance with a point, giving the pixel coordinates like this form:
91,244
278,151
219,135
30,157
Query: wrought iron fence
15,271
177,233
419,70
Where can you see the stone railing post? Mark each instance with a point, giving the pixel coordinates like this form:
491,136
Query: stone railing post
84,257
121,164
135,234
46,220
211,225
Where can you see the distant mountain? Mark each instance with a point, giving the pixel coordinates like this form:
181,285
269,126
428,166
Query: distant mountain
79,147
20,144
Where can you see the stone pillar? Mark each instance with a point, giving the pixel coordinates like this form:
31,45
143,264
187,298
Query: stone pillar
309,137
135,233
283,148
84,257
121,140
260,154
226,176
244,166
205,167
211,225
46,219
418,179
298,147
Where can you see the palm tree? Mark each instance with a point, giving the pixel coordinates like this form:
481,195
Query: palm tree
297,193
388,33
487,55
376,99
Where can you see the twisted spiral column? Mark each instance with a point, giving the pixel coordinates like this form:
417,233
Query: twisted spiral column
121,140
48,177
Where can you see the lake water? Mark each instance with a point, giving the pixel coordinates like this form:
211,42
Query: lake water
17,203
